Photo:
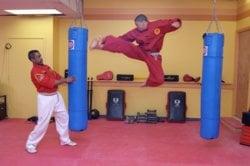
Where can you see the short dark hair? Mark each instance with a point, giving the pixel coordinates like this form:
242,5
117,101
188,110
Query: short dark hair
141,17
31,54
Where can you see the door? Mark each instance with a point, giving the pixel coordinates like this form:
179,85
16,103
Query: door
243,70
21,92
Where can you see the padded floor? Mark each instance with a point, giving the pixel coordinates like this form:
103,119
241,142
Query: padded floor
114,143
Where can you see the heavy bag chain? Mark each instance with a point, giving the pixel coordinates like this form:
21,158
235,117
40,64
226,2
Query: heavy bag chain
214,19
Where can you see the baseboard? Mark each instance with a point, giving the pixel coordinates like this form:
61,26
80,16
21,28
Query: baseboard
233,123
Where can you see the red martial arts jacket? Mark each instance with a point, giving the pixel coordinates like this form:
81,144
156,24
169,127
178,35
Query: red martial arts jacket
43,77
151,39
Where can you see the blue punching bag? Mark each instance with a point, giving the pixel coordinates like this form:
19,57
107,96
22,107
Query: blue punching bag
77,58
211,85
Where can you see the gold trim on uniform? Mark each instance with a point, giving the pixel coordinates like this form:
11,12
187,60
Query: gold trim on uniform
157,31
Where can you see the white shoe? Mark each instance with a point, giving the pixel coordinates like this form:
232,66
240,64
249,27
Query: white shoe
70,143
31,149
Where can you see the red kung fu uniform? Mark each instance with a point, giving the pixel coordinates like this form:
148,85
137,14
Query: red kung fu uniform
43,77
149,45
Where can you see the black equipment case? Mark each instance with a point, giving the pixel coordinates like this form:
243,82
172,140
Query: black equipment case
245,118
3,107
116,105
124,77
176,106
171,78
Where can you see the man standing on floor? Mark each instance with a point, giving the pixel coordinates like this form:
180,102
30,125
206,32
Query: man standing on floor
49,102
149,38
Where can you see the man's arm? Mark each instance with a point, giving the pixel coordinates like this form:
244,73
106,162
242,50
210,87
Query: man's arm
169,25
128,36
49,82
64,80
60,80
176,24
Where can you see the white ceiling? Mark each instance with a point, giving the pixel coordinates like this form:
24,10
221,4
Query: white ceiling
70,8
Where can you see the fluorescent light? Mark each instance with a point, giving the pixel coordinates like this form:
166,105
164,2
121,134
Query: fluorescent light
33,11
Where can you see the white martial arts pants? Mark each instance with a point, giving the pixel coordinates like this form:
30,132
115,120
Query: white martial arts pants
46,107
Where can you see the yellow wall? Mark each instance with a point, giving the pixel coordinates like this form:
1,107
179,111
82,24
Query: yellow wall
29,27
140,99
243,23
23,27
182,50
182,53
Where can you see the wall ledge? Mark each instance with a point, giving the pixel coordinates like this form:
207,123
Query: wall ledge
136,83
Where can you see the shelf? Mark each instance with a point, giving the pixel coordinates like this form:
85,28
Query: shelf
189,85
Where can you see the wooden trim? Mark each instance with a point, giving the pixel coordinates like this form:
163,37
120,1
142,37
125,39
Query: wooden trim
135,11
183,17
243,8
158,13
178,85
243,15
243,29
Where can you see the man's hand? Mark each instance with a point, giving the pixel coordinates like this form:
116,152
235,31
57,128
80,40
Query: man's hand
65,80
70,79
176,24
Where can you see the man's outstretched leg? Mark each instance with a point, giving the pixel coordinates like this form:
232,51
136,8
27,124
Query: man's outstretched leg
118,45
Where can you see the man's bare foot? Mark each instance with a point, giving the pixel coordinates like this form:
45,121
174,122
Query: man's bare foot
100,39
93,44
97,43
144,85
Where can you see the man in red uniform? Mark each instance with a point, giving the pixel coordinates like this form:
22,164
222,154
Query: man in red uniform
49,102
149,38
